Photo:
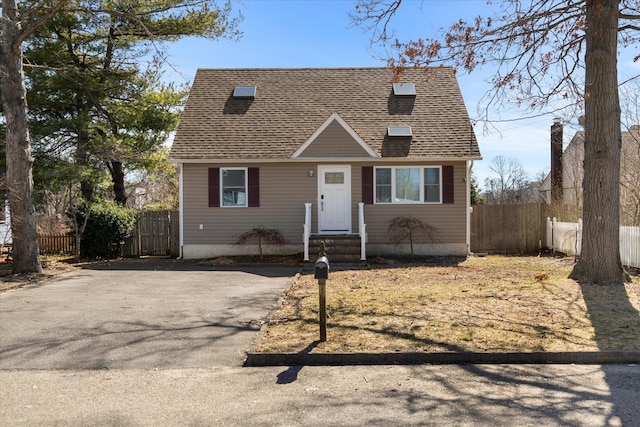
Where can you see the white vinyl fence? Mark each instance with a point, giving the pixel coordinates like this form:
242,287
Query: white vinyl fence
630,246
566,237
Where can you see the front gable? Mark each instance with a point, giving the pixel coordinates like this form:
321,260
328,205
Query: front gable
334,138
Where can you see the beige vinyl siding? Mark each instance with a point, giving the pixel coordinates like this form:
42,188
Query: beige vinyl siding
334,141
284,188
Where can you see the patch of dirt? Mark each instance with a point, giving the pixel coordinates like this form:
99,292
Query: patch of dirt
50,268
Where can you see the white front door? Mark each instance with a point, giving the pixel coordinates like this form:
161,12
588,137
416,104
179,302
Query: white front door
334,199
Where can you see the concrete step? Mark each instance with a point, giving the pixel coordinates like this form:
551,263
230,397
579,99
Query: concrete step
342,250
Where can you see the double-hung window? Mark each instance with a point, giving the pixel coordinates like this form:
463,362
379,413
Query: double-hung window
234,186
432,187
402,184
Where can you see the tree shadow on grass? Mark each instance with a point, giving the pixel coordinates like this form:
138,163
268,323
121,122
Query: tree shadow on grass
615,320
616,324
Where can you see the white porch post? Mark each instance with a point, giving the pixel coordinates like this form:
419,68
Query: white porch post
362,229
306,229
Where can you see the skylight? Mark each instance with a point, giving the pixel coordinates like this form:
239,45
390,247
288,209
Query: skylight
404,89
244,92
399,131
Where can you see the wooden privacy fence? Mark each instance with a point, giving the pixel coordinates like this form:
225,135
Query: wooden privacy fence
156,234
512,228
56,244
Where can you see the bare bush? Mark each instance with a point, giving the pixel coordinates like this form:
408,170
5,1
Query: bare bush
264,237
402,228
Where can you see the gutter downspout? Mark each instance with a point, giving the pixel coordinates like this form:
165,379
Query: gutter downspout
181,206
468,182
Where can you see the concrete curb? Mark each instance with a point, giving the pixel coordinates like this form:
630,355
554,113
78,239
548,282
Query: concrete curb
345,359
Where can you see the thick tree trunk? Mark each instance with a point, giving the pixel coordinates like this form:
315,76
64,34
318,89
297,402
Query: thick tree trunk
600,258
82,161
18,146
117,176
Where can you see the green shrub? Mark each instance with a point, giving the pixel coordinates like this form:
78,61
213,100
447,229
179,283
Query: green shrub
108,226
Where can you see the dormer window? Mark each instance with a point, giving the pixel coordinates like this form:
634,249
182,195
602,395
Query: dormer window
404,89
399,131
244,92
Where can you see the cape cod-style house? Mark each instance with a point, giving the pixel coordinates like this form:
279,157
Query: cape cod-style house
328,152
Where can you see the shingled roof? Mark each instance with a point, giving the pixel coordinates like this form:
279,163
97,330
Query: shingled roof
291,104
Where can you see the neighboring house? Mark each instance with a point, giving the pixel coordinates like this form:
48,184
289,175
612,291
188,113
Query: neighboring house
571,174
325,152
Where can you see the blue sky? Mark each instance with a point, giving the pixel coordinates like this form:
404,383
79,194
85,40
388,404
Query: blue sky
318,33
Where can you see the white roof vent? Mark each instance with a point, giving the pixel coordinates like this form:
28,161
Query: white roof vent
399,131
404,89
245,92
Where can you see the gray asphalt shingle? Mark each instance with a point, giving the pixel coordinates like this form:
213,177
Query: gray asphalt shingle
291,104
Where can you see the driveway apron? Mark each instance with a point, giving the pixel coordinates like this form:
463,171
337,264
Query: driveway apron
138,314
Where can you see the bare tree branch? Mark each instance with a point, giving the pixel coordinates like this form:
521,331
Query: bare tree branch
375,16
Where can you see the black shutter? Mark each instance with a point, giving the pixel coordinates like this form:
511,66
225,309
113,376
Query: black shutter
367,185
447,184
254,187
214,187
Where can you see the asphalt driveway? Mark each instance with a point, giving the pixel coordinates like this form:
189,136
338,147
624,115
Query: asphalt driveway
138,314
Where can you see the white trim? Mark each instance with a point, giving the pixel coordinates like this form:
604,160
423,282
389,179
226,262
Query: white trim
468,214
181,206
246,187
349,129
306,230
347,184
362,231
328,159
393,187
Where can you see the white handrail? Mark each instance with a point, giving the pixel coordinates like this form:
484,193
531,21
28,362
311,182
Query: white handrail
306,229
362,230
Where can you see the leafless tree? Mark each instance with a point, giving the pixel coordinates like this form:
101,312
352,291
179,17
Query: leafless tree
545,52
509,182
630,160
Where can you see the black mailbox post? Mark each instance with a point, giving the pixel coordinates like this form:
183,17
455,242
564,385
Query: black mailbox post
321,272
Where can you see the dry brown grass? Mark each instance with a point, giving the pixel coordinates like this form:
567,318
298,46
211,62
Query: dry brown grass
491,304
51,266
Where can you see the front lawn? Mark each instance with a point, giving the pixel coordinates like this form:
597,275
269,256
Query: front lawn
482,304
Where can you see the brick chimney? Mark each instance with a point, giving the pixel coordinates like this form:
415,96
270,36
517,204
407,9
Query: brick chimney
556,161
